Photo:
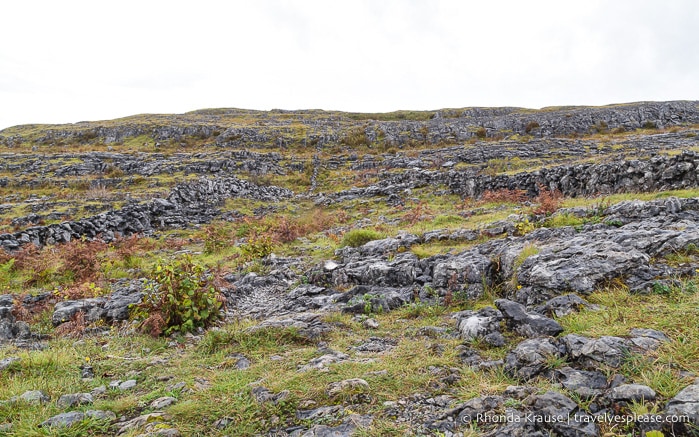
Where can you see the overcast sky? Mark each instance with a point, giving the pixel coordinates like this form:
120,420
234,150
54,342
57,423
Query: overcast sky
67,61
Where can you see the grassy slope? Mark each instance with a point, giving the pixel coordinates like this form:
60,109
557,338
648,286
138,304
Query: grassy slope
206,364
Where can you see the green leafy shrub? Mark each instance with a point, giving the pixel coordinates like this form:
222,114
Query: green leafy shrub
181,297
359,237
257,246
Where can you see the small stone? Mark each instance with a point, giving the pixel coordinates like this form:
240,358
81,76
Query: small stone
127,385
371,324
223,422
35,397
63,420
100,415
162,402
177,387
347,386
632,393
98,391
87,372
6,362
73,400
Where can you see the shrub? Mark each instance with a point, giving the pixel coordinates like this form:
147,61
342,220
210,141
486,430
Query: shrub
216,238
421,211
80,259
359,237
180,297
504,196
548,201
531,126
257,246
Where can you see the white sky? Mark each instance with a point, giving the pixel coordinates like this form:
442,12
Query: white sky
67,61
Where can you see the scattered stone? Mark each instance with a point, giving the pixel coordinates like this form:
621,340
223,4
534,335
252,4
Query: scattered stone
346,429
75,399
647,339
686,403
564,305
162,402
35,397
632,393
63,420
100,415
179,386
485,324
87,372
377,345
126,385
321,363
371,324
148,421
242,362
263,395
309,325
6,362
573,422
587,384
590,352
527,324
531,357
98,391
320,413
347,386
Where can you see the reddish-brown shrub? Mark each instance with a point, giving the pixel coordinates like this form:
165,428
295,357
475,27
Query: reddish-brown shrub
504,196
548,201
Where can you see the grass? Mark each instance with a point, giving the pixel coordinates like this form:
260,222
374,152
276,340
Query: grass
312,233
623,311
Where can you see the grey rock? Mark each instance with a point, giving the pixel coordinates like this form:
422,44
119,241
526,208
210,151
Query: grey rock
309,325
319,413
527,324
590,352
75,399
346,429
485,323
98,391
144,421
685,403
571,423
530,357
632,393
347,386
35,397
63,420
370,324
469,411
162,402
563,305
377,345
587,384
263,395
100,415
324,361
127,385
362,299
7,362
647,339
242,362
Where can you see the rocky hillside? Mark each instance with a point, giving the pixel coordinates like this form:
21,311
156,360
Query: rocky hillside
461,272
